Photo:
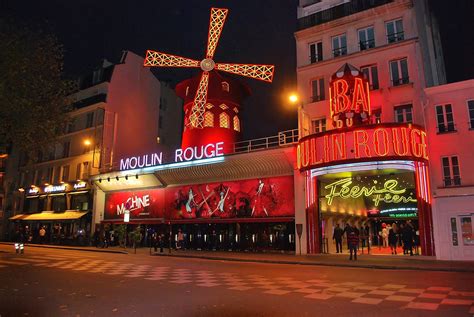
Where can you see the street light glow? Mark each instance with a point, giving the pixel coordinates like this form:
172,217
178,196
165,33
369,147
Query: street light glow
293,98
87,142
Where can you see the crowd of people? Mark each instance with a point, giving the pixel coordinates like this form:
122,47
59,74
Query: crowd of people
391,235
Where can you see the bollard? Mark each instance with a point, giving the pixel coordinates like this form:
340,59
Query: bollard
22,247
17,248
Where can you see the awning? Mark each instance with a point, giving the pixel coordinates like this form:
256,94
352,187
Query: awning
45,216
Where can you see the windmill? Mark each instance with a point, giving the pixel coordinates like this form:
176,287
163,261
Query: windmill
212,115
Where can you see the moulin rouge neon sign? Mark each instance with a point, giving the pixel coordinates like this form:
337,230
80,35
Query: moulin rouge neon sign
181,155
388,193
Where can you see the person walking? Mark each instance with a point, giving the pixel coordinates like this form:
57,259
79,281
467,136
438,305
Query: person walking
408,239
392,239
337,236
42,234
353,242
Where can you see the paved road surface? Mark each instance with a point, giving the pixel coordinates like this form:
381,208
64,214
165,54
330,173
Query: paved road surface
49,282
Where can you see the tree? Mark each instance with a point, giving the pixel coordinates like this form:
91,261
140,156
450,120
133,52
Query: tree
33,94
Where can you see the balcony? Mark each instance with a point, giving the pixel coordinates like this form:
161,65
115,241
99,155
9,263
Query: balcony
338,12
366,45
400,81
90,101
339,51
317,98
395,37
446,128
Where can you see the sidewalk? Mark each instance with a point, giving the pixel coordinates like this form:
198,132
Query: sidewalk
389,262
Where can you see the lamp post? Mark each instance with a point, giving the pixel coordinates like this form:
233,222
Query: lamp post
295,100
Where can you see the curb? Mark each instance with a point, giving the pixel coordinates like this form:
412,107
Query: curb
46,246
286,262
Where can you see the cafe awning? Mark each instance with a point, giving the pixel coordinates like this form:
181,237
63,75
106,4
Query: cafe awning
48,216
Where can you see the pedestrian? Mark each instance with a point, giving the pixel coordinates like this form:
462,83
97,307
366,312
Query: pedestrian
347,229
408,239
384,235
337,237
96,237
42,234
392,239
353,242
180,242
154,241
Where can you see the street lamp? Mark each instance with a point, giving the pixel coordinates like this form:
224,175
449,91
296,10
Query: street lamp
87,142
295,100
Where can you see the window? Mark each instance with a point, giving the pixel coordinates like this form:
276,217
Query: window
366,38
466,230
451,174
57,174
225,86
89,119
454,231
404,114
80,202
35,177
49,175
339,45
85,171
236,124
372,75
317,87
399,72
66,148
224,120
315,52
59,203
445,118
208,119
65,173
79,171
376,116
394,31
470,110
318,125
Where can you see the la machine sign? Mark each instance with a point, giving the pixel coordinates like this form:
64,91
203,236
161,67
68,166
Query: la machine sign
180,155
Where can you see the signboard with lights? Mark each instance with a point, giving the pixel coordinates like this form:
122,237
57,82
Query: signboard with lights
181,155
255,198
370,142
58,188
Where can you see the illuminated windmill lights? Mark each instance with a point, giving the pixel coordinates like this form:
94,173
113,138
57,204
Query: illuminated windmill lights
216,24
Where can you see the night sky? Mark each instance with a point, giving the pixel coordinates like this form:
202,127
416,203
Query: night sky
258,31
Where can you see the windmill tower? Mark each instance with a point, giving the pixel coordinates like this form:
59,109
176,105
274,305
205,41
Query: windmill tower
211,101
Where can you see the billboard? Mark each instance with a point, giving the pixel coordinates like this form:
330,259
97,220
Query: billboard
255,198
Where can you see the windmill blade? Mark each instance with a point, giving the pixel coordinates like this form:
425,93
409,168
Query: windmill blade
196,119
154,58
260,72
216,24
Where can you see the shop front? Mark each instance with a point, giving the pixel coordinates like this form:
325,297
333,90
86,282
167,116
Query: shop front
243,202
372,177
58,214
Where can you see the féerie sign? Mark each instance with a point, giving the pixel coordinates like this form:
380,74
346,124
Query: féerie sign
181,155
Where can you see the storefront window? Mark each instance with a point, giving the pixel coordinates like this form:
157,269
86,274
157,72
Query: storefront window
466,229
31,205
59,203
80,202
454,231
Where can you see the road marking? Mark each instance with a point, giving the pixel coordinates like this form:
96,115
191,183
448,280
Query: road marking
12,262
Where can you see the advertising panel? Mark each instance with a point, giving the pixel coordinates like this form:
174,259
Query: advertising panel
256,198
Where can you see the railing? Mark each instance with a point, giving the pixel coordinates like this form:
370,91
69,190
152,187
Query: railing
282,139
315,58
339,51
448,182
317,98
445,128
364,45
90,101
395,37
400,81
338,12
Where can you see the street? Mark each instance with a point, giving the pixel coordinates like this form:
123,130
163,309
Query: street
53,282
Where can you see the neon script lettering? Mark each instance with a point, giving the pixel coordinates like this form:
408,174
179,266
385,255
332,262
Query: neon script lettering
133,203
389,193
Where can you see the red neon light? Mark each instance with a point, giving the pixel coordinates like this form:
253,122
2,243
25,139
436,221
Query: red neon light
360,99
391,141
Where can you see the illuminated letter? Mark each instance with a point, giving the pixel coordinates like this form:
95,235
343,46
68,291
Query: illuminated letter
199,156
423,144
326,149
404,141
377,142
133,162
358,143
341,101
157,159
338,146
188,153
219,148
360,101
416,147
178,154
124,164
212,151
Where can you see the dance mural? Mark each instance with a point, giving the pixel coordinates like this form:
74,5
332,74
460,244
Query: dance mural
256,198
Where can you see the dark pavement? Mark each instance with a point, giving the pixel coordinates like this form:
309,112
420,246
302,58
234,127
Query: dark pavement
58,282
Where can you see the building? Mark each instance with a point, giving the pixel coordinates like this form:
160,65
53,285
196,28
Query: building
395,45
3,163
118,110
449,112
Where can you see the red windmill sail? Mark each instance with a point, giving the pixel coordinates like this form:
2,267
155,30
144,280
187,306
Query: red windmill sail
195,118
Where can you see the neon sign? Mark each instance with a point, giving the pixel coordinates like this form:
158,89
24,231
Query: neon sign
33,191
133,203
181,155
349,97
55,188
390,141
388,193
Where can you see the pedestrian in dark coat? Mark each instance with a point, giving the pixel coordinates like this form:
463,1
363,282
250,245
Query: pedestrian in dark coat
337,236
353,242
392,239
408,236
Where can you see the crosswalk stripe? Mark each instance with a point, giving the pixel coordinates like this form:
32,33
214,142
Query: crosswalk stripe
12,262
